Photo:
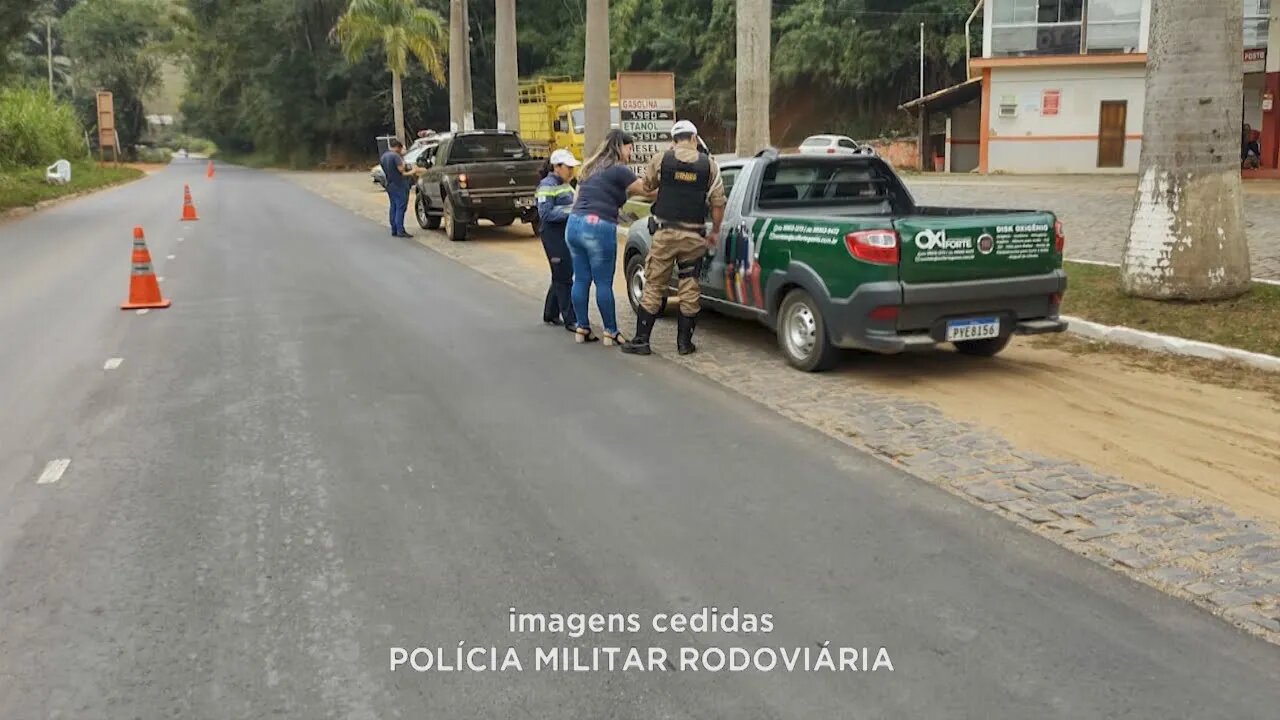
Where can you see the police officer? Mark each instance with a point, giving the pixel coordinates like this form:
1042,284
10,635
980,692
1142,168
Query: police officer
688,182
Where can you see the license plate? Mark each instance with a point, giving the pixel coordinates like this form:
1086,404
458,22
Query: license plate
973,329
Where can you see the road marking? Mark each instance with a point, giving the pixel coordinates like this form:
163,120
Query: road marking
53,471
159,278
112,364
143,311
181,239
170,257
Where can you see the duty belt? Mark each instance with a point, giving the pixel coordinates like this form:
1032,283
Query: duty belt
655,225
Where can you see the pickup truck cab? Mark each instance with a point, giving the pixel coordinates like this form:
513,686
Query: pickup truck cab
833,252
476,175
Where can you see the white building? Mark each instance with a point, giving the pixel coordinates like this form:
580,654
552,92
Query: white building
1060,87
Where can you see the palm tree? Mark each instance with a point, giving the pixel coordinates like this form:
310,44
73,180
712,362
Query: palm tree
1187,238
596,75
754,47
460,103
401,28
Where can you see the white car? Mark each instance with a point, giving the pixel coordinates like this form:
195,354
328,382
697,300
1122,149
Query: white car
833,145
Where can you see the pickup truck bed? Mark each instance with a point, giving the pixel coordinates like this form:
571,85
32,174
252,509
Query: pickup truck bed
833,252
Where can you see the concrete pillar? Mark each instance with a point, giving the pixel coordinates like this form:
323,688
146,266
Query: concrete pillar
1270,140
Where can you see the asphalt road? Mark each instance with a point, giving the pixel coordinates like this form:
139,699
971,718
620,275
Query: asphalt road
336,442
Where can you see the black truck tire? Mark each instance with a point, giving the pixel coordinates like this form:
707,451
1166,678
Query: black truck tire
456,231
802,333
633,273
503,221
426,220
983,348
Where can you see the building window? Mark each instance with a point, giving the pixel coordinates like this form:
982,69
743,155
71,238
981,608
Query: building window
1115,26
1036,27
1257,14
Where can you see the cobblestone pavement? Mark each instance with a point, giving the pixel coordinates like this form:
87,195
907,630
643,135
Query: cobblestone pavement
1224,563
1095,211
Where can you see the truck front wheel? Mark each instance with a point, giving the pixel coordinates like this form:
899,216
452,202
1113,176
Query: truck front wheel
425,219
983,348
802,333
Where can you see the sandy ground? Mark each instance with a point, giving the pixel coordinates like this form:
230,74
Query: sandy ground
1163,429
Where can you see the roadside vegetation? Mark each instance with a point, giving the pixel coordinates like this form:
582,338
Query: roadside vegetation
1247,322
36,130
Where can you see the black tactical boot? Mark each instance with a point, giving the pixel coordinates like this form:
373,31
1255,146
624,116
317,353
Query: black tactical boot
639,345
684,334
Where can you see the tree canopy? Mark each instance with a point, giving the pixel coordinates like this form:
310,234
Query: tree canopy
266,75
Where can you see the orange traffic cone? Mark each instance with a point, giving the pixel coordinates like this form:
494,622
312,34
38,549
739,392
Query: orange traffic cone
188,209
208,172
144,289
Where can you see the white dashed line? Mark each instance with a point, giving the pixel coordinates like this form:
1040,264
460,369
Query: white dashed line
170,257
53,471
112,364
181,239
143,311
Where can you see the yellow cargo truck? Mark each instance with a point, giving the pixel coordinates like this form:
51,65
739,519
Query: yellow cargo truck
552,114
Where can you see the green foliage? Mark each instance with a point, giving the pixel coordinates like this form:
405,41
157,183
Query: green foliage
154,155
265,77
119,45
35,129
400,28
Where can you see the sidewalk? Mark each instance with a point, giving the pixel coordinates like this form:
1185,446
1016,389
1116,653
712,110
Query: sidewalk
1170,481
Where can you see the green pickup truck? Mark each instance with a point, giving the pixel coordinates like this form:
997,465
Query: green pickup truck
832,252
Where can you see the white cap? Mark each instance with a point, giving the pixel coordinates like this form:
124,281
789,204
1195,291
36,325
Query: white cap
683,127
564,157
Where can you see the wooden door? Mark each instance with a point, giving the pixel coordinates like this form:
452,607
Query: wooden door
1111,129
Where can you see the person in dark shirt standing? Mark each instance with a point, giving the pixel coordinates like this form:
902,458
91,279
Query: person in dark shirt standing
398,182
604,182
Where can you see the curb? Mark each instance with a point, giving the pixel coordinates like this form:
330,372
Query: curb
1170,345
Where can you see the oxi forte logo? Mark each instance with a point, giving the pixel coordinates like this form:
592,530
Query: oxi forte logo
937,239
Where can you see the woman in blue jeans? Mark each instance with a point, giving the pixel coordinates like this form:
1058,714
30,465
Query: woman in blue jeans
604,182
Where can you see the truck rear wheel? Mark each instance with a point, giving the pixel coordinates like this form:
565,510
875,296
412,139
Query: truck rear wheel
456,231
983,348
634,274
802,333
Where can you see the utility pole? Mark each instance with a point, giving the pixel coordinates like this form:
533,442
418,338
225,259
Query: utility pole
921,59
48,47
754,48
507,71
596,75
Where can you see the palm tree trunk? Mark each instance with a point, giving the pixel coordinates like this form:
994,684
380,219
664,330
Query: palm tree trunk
468,102
48,47
506,67
397,106
596,75
754,46
457,63
1187,237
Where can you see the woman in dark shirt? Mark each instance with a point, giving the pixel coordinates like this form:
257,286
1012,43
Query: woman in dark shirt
604,183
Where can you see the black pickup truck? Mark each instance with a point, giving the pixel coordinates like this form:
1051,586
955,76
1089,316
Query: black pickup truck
476,175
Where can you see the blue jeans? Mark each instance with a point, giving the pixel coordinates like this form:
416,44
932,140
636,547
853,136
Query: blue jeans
593,244
399,205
